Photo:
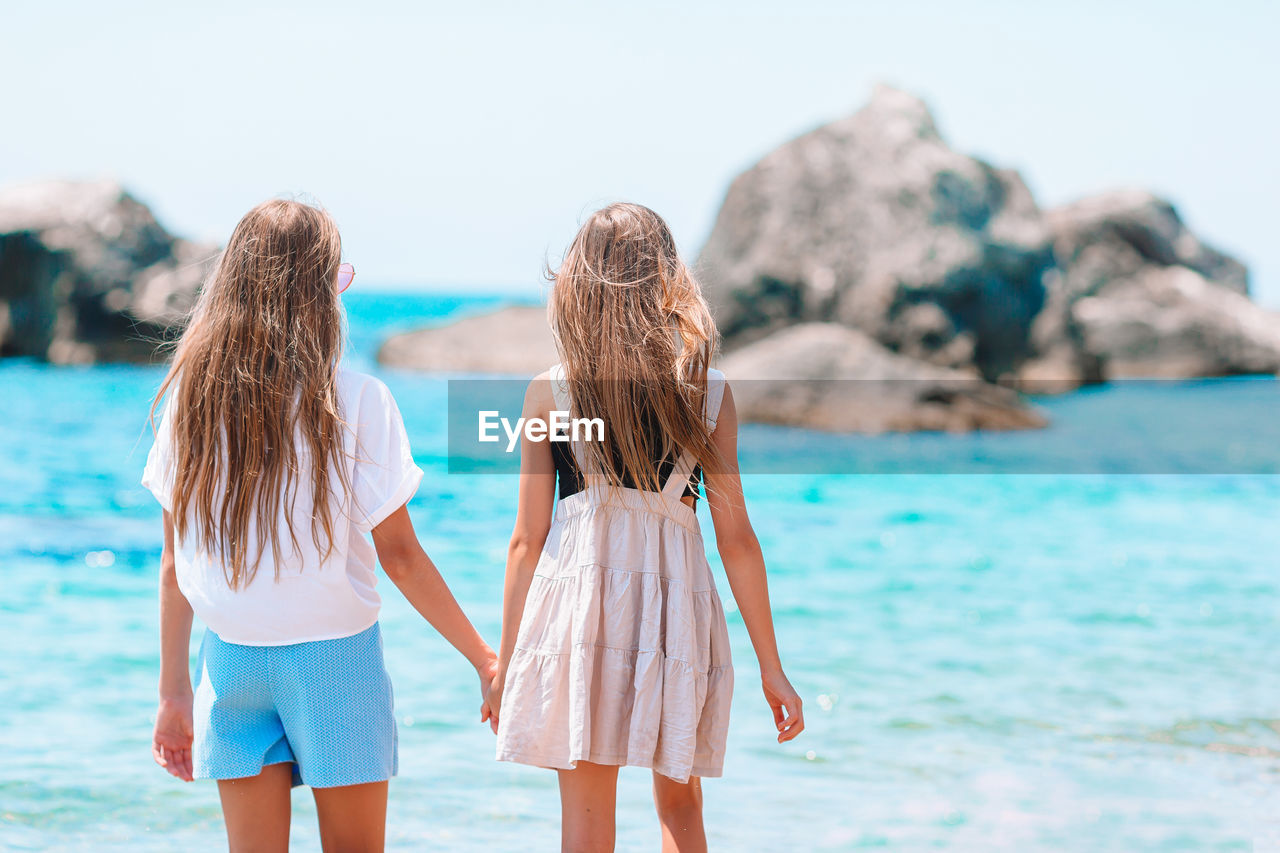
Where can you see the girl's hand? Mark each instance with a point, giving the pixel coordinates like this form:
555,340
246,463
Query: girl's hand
493,700
785,702
490,699
171,741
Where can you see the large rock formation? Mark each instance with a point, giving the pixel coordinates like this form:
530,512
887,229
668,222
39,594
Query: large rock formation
828,376
875,223
514,341
88,274
1136,293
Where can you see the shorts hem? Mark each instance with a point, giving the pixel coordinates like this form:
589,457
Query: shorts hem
220,775
366,779
298,779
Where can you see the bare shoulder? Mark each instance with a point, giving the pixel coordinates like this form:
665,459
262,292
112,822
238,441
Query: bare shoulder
728,414
539,397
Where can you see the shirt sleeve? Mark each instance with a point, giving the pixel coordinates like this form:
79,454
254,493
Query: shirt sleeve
158,475
385,475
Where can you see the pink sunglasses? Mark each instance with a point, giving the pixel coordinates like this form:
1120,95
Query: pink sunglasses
346,272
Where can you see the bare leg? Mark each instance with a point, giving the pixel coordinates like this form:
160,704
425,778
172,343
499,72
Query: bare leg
256,810
680,813
588,802
353,818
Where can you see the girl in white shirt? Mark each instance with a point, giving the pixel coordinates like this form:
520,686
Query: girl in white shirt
275,467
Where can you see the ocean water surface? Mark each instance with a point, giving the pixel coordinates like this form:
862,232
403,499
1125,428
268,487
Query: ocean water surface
989,662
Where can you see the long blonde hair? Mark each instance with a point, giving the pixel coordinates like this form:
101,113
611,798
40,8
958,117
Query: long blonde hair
255,367
635,338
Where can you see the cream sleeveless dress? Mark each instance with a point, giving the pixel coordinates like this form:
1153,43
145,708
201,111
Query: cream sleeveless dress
623,654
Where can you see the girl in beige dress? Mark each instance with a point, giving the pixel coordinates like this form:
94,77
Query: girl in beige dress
614,644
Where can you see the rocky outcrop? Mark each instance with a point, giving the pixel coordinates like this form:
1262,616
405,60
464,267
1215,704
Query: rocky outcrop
828,376
88,274
875,223
1135,293
514,341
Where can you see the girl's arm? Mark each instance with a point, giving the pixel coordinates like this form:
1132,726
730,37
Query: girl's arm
412,571
533,521
744,565
171,740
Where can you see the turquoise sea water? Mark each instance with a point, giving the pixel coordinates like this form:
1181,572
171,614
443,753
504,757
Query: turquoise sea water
989,662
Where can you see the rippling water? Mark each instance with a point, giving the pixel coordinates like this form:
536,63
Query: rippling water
989,662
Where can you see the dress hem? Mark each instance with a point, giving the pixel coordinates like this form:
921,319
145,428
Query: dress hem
549,763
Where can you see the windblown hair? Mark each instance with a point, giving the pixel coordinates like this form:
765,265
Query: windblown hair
254,375
636,338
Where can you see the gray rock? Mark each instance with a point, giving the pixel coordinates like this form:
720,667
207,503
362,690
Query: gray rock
514,341
830,377
1137,294
874,222
88,274
1173,322
1122,232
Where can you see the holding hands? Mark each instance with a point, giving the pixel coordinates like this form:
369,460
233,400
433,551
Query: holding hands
490,693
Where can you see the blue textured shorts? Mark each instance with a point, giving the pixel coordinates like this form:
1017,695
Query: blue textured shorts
325,706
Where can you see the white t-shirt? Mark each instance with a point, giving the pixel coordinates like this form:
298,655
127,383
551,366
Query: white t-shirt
312,598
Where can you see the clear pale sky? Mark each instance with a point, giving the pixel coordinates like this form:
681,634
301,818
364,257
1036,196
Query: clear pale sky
459,145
